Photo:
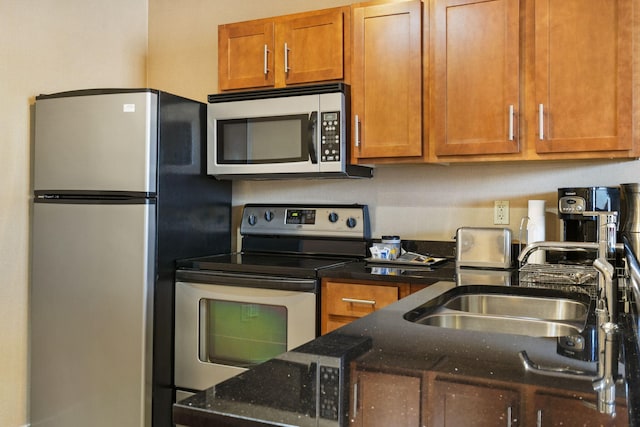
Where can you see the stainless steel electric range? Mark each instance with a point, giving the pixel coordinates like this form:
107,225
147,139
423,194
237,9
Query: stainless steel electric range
237,310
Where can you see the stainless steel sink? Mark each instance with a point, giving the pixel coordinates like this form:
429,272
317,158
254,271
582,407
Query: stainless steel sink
552,308
510,310
500,324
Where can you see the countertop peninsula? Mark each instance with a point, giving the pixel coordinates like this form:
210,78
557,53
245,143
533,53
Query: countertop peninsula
439,363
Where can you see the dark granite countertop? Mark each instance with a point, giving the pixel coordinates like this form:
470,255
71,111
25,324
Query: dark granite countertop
372,272
446,271
262,396
399,344
369,271
422,275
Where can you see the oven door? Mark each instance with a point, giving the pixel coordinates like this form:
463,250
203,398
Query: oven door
223,330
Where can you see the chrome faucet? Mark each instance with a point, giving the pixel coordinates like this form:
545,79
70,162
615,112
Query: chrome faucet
606,244
604,380
606,289
555,246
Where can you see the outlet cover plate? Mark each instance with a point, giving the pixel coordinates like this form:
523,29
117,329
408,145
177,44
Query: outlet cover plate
501,212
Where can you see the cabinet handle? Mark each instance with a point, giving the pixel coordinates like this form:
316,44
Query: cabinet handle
357,131
541,121
359,301
355,400
509,409
286,58
266,57
511,134
539,418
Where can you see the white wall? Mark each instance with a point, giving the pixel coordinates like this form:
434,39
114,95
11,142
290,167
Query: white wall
47,46
427,202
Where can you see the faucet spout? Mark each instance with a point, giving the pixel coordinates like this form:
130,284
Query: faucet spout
555,246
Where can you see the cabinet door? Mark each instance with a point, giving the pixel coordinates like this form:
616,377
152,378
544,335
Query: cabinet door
476,72
245,55
553,410
583,76
460,404
381,399
344,302
387,80
312,47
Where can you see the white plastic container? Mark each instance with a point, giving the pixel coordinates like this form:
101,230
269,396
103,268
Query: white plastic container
394,244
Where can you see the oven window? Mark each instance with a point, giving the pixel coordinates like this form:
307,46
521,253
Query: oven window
241,334
280,139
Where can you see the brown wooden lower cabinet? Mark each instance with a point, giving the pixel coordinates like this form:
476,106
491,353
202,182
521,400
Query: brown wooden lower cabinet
345,301
561,409
382,400
381,397
452,403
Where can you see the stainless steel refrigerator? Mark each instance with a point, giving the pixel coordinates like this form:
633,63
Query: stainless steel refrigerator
120,193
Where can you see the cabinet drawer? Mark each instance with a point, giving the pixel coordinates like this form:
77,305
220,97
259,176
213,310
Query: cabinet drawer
358,300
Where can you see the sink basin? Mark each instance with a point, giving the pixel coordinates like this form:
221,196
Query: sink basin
513,325
510,310
519,306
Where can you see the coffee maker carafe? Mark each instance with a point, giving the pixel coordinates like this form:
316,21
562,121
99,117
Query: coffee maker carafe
572,202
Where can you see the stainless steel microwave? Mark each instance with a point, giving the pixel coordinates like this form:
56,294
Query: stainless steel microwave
293,132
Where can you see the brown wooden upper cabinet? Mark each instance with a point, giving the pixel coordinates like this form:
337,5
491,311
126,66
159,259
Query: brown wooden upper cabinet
535,79
293,49
583,75
476,71
386,86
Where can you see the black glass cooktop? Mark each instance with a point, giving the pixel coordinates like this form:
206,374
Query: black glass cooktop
278,264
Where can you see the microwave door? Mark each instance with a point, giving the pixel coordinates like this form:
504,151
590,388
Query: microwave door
275,144
250,141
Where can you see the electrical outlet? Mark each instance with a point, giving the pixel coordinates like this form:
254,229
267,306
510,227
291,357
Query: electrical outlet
501,212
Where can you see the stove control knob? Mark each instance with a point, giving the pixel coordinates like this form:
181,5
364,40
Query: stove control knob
252,219
333,217
351,222
268,215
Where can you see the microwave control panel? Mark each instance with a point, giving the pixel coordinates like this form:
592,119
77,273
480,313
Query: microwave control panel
330,131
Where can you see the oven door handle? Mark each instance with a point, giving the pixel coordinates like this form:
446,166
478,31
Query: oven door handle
248,280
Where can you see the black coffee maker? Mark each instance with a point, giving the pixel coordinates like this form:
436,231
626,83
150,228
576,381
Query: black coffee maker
575,227
572,202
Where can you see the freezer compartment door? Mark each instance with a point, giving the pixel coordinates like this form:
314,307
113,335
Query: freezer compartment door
96,142
91,315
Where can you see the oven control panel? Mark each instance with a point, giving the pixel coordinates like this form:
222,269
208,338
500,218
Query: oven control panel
345,221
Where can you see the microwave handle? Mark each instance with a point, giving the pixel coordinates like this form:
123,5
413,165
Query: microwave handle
311,137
